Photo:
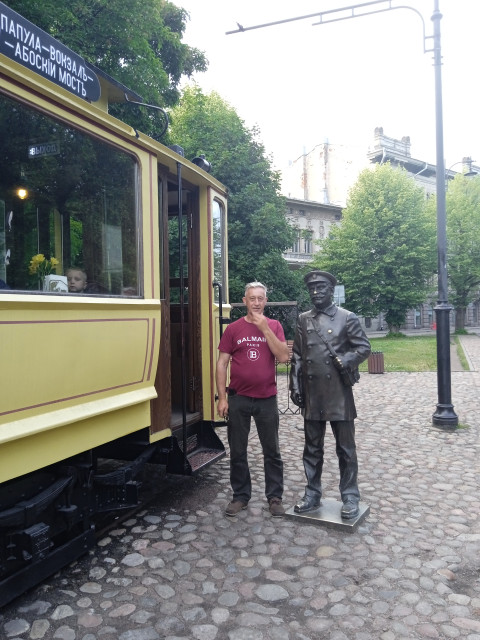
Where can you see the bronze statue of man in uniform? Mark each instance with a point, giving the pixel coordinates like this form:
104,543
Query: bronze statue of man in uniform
328,347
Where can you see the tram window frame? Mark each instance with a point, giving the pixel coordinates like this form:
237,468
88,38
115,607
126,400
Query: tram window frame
80,206
219,249
163,249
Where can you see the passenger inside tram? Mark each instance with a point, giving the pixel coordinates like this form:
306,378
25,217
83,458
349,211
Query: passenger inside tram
77,280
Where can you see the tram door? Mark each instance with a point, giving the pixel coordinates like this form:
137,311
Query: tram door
178,380
183,296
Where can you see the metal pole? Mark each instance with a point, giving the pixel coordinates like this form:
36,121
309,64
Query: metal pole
183,352
444,416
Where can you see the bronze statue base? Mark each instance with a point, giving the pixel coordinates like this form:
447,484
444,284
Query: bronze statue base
328,515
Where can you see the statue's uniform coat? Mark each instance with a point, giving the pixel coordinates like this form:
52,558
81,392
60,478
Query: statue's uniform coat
313,374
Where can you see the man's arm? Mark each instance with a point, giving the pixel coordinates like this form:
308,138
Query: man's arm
221,380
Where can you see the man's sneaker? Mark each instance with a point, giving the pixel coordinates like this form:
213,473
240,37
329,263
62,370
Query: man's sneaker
276,507
234,507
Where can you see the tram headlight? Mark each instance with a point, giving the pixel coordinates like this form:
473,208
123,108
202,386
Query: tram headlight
202,163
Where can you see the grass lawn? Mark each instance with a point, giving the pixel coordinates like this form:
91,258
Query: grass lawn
409,353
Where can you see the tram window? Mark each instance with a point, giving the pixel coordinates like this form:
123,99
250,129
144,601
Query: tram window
68,197
161,240
219,270
178,269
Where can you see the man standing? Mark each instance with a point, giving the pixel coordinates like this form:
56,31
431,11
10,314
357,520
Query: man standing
252,343
329,345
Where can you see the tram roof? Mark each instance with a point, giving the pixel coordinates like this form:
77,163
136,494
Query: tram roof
112,90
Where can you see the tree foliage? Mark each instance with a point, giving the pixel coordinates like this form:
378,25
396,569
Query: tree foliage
463,244
258,231
383,251
137,42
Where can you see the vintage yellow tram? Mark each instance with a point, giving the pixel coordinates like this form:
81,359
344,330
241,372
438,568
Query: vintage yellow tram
123,366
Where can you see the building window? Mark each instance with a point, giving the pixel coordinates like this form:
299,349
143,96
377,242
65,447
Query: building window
475,314
308,242
296,244
430,317
418,318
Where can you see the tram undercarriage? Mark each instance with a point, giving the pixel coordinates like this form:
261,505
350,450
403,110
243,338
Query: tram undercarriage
47,518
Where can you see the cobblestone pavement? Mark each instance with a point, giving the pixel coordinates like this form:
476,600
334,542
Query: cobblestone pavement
181,570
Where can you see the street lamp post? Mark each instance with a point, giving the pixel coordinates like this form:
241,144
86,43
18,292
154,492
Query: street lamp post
468,170
444,416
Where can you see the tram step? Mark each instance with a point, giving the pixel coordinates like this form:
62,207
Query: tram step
204,458
196,449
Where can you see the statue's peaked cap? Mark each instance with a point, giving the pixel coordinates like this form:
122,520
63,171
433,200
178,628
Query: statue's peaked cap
314,276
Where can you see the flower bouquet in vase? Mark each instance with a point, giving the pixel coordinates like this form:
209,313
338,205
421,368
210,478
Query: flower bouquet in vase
42,268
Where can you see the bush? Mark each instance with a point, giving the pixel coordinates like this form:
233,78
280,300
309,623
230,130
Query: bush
395,334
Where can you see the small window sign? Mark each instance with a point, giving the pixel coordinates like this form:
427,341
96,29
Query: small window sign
43,149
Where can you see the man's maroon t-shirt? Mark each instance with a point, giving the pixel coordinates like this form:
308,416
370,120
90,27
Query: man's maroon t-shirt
252,371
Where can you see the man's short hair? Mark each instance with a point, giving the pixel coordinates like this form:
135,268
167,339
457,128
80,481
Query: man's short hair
254,285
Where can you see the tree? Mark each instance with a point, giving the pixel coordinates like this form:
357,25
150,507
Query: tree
137,42
258,231
383,251
463,244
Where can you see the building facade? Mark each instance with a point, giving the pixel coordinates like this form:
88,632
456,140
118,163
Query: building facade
312,222
317,184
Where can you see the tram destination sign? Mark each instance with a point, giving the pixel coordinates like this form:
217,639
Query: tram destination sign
22,41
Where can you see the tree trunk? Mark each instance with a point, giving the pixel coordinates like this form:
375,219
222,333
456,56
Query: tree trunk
393,328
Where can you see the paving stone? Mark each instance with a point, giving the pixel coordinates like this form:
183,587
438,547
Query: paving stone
181,570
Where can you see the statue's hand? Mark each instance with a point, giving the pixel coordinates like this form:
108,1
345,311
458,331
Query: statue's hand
297,399
349,360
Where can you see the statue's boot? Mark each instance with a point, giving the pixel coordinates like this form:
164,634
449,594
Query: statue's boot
307,503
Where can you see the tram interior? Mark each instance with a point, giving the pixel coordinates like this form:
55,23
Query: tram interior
66,197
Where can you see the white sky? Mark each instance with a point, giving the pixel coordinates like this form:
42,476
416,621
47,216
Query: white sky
304,84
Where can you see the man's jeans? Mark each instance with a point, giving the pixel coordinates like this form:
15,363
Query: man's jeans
265,413
344,432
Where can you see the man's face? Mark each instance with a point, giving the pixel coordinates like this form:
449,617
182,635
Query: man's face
255,300
321,292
